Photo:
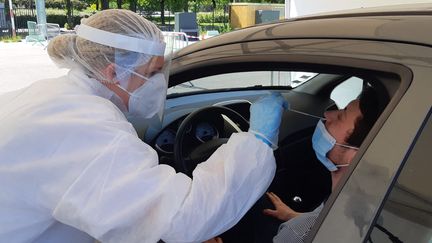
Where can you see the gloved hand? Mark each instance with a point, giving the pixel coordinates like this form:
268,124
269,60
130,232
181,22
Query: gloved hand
266,116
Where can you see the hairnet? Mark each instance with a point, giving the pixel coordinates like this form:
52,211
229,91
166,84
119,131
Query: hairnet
115,36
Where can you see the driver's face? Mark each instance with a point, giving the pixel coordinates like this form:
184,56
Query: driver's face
340,124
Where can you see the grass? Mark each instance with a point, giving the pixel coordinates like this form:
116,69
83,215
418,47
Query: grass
10,39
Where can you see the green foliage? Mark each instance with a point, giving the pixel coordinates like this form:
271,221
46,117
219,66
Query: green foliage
206,5
62,20
92,7
20,3
158,20
55,11
151,6
66,26
222,28
261,1
10,39
21,21
148,7
51,18
219,17
61,4
225,28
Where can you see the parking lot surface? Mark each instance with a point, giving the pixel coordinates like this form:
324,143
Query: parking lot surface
23,63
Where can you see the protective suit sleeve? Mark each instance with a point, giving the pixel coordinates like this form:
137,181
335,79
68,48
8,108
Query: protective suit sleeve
122,194
223,189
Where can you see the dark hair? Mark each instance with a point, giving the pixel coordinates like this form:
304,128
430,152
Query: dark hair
370,109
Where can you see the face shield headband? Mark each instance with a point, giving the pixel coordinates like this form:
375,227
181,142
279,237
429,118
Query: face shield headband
130,52
120,41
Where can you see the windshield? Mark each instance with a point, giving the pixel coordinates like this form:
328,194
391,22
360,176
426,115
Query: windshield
251,79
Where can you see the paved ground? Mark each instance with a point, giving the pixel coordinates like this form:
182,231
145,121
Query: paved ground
24,63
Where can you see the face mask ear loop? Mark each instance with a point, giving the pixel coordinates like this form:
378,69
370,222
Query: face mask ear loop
347,146
120,87
134,73
139,75
342,165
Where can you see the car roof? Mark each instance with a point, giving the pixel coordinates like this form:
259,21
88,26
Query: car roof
407,23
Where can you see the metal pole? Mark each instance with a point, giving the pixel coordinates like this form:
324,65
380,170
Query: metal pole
41,15
287,8
11,14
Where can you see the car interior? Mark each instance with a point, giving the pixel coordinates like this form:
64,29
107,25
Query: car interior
200,120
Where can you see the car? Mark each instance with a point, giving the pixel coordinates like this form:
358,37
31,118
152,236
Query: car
317,63
211,33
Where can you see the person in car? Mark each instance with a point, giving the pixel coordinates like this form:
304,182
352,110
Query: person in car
335,143
73,169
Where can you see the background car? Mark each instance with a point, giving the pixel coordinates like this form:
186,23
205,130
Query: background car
318,63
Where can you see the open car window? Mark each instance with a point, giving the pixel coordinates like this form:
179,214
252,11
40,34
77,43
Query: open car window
250,79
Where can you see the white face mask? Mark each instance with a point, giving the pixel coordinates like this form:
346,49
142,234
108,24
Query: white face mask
148,99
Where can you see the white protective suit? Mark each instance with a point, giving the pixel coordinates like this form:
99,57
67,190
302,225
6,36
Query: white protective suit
71,163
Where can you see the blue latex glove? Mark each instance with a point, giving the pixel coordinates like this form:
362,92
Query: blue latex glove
266,116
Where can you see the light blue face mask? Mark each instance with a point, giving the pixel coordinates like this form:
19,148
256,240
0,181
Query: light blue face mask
322,143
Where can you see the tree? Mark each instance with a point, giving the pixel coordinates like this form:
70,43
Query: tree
104,4
133,5
162,10
119,4
89,3
69,12
214,9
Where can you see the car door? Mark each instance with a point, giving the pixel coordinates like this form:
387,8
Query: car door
383,152
352,208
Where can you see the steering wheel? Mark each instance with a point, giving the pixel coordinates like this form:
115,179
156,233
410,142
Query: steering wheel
187,163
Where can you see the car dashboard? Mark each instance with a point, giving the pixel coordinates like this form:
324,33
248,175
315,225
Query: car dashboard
215,126
205,129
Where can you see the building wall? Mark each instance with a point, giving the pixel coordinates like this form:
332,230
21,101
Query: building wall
307,7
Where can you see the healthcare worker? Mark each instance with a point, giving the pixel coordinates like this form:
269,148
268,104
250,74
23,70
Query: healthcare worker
72,168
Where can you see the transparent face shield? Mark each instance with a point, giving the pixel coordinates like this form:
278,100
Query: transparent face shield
141,70
156,123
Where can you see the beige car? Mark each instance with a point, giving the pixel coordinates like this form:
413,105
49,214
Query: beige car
319,63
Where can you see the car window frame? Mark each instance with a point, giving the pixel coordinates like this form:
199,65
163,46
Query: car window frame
321,231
